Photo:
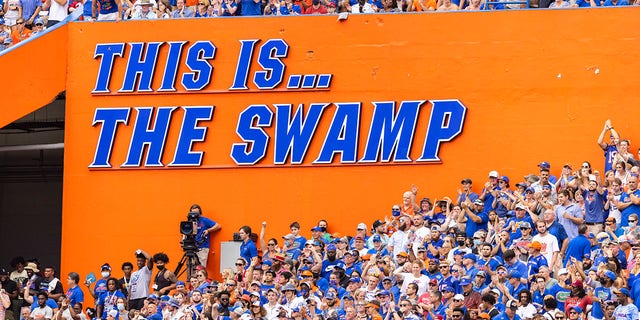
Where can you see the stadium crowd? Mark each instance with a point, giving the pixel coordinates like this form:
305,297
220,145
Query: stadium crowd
554,248
21,19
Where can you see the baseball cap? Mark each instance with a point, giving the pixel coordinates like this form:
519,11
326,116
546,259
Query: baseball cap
105,266
536,245
359,237
530,189
422,249
525,225
576,309
465,281
479,202
330,295
331,247
402,254
3,272
458,297
316,228
546,186
376,238
515,274
466,180
505,179
290,236
544,165
577,283
355,280
38,21
567,165
378,223
470,256
383,293
493,174
512,304
520,206
624,291
609,274
563,271
362,226
481,274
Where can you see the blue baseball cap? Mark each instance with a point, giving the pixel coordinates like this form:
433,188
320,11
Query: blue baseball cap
624,291
515,274
331,247
470,256
544,165
316,228
465,281
376,238
383,293
38,21
448,289
355,280
609,274
576,308
505,179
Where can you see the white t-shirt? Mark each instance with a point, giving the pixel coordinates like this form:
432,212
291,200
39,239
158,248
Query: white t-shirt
422,282
58,12
139,285
549,244
42,313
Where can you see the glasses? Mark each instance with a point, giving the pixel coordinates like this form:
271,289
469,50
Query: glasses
573,312
635,248
224,299
395,209
609,223
632,220
456,316
271,244
457,300
231,284
455,270
239,264
200,276
559,317
405,305
443,267
308,262
502,272
19,22
585,166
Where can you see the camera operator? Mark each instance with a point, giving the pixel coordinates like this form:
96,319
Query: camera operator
205,226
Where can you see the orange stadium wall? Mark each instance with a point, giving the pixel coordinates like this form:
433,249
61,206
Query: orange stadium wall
499,90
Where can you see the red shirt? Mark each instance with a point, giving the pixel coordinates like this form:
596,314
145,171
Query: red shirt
320,10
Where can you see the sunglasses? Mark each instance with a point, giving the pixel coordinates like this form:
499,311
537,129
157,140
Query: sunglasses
231,284
632,220
239,264
19,22
405,305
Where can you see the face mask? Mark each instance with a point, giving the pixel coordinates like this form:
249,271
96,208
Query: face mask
304,292
105,274
632,224
477,242
460,243
333,282
120,306
160,268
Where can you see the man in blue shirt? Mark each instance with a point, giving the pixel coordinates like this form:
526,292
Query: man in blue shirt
594,200
204,228
610,149
477,218
629,202
569,214
578,247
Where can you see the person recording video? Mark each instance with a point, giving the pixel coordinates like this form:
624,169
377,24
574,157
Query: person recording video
204,227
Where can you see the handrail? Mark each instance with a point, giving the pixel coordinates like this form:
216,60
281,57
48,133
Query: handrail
75,15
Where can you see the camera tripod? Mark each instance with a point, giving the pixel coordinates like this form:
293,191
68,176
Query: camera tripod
189,257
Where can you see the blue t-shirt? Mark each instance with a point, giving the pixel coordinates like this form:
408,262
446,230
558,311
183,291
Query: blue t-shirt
75,295
624,197
612,150
472,226
204,223
534,263
107,6
248,250
593,206
603,294
578,248
250,8
108,301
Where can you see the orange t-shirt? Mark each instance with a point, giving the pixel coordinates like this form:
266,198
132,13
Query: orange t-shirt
19,36
426,3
